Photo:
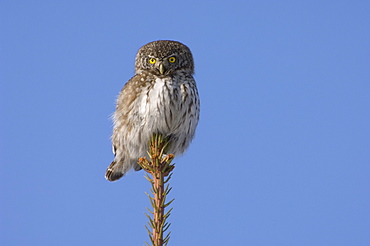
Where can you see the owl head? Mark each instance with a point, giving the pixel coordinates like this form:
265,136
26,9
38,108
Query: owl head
164,57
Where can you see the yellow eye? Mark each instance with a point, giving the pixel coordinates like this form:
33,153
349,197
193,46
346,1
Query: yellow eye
172,59
152,60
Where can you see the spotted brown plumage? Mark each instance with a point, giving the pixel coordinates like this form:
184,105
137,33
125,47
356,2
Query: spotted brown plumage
161,98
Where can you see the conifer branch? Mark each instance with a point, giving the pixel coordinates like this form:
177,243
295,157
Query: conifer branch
158,170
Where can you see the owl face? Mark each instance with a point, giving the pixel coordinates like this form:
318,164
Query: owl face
164,58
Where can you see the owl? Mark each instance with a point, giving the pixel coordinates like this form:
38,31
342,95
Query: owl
161,98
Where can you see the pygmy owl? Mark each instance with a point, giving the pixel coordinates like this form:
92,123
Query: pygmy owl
161,98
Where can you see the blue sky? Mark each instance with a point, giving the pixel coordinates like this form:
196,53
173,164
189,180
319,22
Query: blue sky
281,155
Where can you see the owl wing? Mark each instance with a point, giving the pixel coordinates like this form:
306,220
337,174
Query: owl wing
124,124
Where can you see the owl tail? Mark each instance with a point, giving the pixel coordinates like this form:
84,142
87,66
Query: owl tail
114,171
117,169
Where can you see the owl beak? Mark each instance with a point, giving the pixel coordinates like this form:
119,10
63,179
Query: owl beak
161,68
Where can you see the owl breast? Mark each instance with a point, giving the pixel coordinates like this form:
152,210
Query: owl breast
170,107
161,107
